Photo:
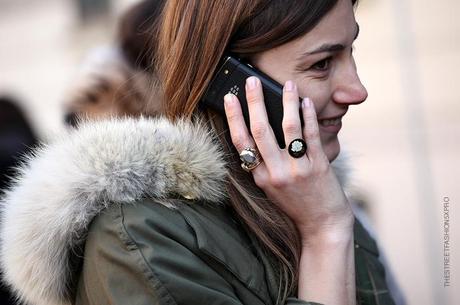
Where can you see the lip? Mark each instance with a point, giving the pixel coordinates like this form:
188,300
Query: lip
331,128
333,117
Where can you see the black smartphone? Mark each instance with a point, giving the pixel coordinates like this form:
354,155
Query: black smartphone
231,77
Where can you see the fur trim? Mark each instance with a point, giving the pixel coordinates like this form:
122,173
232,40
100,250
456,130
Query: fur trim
65,184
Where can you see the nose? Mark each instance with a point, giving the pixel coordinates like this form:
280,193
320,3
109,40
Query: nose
349,89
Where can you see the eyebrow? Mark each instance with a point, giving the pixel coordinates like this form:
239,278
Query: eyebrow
331,48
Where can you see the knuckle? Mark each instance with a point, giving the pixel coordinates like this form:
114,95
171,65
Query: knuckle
291,127
311,122
311,132
260,181
232,115
259,130
300,175
252,97
239,141
278,180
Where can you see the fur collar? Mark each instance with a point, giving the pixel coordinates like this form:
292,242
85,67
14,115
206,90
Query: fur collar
63,185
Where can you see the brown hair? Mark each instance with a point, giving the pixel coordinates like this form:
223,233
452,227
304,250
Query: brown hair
192,37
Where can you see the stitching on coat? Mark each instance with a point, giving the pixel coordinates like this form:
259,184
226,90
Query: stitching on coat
151,276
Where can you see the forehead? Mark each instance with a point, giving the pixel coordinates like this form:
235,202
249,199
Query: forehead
337,26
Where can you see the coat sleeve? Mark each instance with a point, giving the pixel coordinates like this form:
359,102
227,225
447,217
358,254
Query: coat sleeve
134,256
295,301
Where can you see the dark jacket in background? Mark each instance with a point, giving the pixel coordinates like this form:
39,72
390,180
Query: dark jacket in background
16,137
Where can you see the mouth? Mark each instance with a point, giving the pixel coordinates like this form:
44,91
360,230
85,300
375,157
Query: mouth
332,125
330,122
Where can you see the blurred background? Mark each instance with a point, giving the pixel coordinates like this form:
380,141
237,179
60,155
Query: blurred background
403,142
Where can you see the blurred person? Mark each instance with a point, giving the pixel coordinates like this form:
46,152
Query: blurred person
168,209
107,85
134,35
16,138
117,80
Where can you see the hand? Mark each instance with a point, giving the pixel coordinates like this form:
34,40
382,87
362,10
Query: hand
306,188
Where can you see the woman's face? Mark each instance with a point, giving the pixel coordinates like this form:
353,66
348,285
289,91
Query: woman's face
322,65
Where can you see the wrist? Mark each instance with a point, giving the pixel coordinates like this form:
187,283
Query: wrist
324,236
327,270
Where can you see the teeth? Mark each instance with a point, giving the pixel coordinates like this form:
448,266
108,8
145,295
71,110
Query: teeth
330,122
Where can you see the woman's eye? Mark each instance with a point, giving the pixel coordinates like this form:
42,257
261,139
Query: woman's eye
322,65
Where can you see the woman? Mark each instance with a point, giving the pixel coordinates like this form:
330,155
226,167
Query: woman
163,208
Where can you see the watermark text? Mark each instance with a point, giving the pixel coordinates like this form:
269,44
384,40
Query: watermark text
446,241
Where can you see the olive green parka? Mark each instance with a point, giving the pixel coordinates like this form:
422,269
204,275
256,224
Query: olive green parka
134,212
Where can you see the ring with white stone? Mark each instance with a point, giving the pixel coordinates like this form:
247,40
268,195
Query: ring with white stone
250,158
297,148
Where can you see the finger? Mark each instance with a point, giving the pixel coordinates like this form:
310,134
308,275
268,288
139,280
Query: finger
291,118
261,130
238,130
311,130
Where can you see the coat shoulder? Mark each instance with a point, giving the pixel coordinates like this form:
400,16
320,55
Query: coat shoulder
120,253
163,255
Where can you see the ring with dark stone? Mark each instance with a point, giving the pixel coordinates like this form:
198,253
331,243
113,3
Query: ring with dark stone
297,148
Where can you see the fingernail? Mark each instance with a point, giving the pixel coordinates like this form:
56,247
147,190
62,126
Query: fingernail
306,103
228,98
289,86
251,82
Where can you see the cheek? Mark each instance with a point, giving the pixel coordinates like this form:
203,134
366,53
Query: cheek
318,91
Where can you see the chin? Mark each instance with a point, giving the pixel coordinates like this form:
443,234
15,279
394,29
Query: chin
332,149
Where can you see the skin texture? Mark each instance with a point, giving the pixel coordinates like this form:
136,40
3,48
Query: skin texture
306,188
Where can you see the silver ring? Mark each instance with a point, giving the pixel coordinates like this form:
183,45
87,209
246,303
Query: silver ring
250,158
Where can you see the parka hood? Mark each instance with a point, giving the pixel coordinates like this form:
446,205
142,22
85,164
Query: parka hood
63,185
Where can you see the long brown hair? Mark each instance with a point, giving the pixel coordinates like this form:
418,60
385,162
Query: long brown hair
192,37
